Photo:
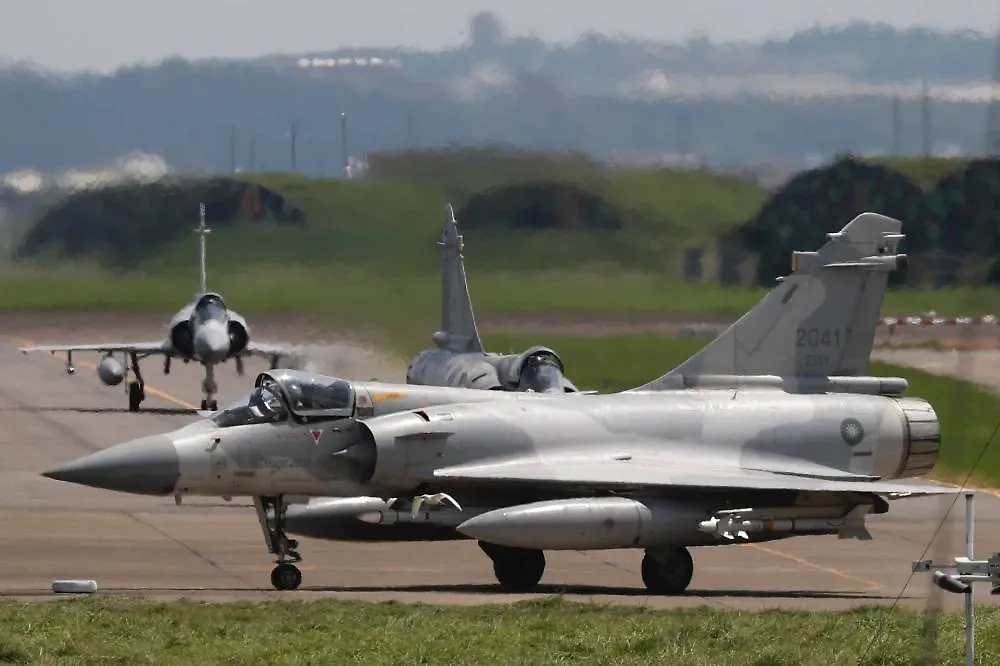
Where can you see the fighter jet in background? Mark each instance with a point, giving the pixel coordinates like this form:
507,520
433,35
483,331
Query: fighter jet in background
205,330
458,358
771,431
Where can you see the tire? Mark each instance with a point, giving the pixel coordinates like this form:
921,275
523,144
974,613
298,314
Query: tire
668,573
134,396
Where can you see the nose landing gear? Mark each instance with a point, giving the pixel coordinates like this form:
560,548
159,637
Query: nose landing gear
208,385
271,515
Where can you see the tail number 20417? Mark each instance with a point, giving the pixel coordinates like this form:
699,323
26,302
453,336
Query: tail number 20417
821,337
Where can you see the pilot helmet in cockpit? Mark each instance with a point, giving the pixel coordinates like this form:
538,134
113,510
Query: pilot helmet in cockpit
304,396
264,401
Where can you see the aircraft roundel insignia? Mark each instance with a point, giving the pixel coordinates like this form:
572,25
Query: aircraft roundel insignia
852,431
316,434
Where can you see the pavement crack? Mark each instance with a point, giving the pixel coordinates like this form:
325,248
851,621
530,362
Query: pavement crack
194,551
68,433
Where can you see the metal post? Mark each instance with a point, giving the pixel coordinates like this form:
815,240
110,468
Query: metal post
925,106
970,631
343,144
897,129
232,150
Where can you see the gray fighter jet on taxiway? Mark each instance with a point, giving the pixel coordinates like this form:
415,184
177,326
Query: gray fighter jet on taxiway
773,430
458,357
205,330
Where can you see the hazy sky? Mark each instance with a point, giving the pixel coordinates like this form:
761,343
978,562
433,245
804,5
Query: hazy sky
104,34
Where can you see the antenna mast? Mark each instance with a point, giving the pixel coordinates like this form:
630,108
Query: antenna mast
202,231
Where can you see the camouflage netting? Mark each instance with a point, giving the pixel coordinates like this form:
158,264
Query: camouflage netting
819,201
961,216
123,224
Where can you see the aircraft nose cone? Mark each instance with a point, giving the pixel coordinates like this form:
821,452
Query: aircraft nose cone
211,341
146,466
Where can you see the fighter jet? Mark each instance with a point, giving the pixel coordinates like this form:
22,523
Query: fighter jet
458,357
771,431
205,331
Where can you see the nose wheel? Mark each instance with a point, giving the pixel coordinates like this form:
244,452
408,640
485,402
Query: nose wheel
286,577
271,515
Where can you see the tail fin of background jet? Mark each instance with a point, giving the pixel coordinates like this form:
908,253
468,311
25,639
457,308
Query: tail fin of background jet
818,322
458,324
202,231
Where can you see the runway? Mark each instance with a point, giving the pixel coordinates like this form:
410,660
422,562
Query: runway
213,550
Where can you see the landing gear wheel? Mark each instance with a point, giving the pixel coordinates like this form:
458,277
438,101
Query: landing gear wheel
271,515
516,569
209,406
135,396
667,571
286,577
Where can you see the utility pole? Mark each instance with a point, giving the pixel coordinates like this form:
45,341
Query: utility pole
293,138
253,157
343,144
992,139
232,150
411,129
683,133
897,129
925,106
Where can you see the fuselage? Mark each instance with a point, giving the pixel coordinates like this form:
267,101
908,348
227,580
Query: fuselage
398,452
304,435
537,369
207,331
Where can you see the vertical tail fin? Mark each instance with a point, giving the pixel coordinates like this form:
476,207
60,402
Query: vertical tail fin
202,231
458,324
819,321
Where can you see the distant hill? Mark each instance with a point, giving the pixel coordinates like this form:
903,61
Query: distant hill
603,96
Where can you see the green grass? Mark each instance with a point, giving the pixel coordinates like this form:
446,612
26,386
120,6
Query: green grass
354,292
969,414
552,631
697,203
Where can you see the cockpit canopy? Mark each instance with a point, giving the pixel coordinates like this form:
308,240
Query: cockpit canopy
210,306
309,395
280,393
262,405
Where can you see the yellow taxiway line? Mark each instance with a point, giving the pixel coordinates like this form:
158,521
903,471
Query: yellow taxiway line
806,563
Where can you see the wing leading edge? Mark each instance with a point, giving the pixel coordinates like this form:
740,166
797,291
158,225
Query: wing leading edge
268,349
650,472
159,347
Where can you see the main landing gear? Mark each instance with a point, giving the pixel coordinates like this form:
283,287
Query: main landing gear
666,570
210,388
136,388
516,569
271,515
